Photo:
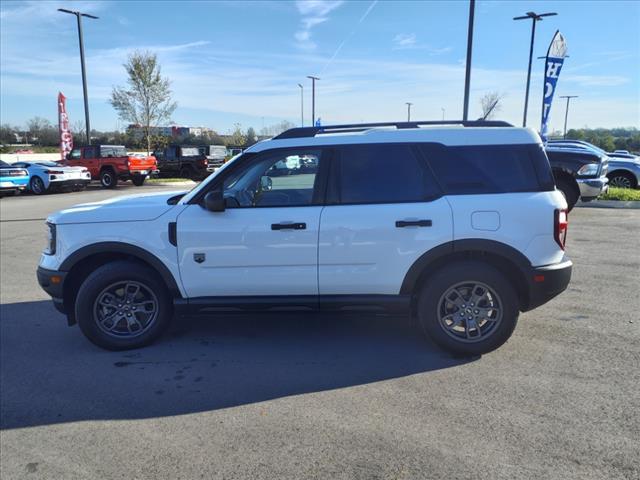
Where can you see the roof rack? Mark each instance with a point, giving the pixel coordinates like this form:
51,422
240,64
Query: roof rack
302,132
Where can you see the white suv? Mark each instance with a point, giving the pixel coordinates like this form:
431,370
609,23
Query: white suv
459,224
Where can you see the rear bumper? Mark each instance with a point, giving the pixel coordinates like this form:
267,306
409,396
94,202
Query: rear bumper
548,282
52,282
62,184
591,188
9,183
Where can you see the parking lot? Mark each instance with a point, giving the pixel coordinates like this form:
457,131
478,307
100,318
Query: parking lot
308,396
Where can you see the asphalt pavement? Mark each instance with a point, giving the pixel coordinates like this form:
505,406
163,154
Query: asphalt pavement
293,396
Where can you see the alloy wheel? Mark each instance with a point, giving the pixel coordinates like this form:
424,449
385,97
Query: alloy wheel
125,309
470,311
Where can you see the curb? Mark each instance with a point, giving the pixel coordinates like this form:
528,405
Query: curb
609,204
172,184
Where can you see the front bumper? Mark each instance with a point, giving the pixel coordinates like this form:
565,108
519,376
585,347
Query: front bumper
52,282
548,282
592,188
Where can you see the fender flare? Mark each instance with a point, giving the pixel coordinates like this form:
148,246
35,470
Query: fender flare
470,245
127,249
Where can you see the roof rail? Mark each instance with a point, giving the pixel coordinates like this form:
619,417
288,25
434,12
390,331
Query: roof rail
302,132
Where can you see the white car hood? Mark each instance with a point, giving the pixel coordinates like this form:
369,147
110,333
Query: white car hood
130,208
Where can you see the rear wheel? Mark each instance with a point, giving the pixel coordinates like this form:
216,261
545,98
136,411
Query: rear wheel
108,178
622,180
36,185
570,192
138,180
123,305
186,172
468,308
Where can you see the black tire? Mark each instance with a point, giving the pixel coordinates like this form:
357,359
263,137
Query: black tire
186,172
93,289
108,178
36,185
570,192
622,179
431,299
138,180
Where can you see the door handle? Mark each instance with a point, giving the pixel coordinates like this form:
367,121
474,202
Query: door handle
289,226
413,223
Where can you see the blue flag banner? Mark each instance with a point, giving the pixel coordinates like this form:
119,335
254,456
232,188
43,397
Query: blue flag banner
555,59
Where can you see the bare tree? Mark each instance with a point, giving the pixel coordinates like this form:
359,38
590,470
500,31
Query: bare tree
490,105
273,130
146,100
36,126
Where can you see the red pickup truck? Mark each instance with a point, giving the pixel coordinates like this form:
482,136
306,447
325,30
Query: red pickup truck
111,163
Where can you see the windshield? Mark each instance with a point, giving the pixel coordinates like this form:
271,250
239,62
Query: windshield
200,185
48,164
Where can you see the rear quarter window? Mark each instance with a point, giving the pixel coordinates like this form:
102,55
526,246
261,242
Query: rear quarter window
473,169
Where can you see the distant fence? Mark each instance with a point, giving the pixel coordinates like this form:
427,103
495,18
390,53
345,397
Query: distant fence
28,157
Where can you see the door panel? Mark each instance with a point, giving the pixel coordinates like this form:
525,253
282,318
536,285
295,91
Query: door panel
362,251
240,253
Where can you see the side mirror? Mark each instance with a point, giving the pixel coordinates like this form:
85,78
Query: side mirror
265,183
214,201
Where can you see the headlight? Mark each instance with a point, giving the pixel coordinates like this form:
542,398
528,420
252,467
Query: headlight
588,169
50,249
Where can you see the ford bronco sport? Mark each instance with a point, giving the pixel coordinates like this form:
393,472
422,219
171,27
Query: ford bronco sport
457,223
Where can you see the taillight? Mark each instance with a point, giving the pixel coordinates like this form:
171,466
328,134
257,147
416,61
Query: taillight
204,162
561,223
54,172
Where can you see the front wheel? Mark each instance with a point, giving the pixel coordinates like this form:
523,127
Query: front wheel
36,185
138,180
108,178
123,305
468,308
622,180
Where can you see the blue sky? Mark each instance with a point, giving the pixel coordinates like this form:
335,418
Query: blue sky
240,62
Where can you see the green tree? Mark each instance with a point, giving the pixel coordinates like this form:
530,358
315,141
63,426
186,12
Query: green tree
251,137
237,138
147,99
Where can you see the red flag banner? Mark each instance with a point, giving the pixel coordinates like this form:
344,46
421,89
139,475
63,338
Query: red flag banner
66,138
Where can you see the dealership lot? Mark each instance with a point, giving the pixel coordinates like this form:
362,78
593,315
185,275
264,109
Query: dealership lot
304,396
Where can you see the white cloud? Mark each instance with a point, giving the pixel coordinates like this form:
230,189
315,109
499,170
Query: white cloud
405,40
313,13
409,41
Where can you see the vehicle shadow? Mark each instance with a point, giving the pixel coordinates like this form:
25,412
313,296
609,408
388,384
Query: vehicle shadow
50,373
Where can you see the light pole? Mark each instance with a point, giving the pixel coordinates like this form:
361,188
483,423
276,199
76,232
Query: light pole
566,112
79,16
313,98
301,105
535,18
467,73
442,108
409,111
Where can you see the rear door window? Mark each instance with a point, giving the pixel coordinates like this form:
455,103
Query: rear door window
380,173
462,170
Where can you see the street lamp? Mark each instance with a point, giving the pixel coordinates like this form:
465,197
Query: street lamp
79,16
442,108
566,112
313,98
301,105
409,111
535,18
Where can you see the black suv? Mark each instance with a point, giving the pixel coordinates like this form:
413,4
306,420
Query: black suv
579,174
182,161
